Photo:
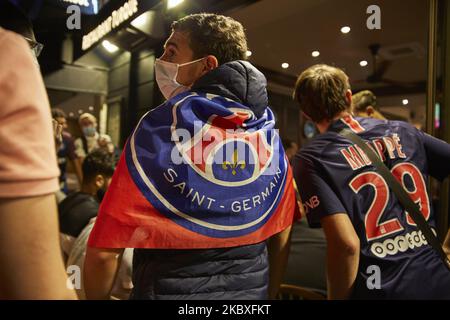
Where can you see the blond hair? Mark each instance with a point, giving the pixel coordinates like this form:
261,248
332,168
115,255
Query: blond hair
87,115
321,92
364,99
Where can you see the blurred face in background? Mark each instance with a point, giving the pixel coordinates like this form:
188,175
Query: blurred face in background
88,125
102,184
62,121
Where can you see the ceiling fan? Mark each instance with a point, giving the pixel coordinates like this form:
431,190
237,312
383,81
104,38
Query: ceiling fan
380,67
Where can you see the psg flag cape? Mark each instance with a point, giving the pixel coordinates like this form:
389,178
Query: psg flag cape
200,171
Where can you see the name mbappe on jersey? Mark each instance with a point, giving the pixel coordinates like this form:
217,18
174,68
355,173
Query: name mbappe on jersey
385,232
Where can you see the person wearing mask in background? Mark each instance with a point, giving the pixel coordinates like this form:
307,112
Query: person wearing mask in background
199,234
90,139
66,151
30,257
364,104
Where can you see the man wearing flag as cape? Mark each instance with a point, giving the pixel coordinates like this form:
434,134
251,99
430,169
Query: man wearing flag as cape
203,191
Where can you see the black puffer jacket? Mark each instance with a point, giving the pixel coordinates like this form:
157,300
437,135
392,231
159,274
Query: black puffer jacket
227,273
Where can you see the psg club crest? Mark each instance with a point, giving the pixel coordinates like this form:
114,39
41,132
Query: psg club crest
208,164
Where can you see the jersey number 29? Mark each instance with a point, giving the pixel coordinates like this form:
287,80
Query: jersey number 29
376,229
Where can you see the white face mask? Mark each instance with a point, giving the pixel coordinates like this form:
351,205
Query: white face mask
166,77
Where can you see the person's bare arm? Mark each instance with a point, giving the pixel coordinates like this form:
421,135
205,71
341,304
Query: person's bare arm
78,169
30,255
343,249
278,248
100,271
79,150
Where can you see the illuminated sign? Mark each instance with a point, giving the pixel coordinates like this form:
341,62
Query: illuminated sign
88,7
117,17
84,3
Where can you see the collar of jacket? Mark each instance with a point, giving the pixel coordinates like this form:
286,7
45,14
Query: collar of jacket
239,81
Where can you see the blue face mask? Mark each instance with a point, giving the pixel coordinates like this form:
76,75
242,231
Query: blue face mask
89,131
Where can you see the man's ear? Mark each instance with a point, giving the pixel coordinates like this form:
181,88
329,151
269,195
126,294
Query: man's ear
349,97
370,111
99,181
211,63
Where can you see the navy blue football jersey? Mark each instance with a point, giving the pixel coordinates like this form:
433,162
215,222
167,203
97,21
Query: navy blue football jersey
335,176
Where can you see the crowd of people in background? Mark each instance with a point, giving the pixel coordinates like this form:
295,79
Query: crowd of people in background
110,226
93,158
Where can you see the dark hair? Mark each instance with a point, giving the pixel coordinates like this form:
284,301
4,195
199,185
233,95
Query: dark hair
212,34
364,99
97,162
321,92
58,113
13,19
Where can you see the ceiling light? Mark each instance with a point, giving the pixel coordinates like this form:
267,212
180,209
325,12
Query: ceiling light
345,29
111,48
315,54
285,65
80,111
91,108
173,3
248,53
363,63
405,102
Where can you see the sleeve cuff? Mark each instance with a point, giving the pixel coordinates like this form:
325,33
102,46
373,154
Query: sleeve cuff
23,189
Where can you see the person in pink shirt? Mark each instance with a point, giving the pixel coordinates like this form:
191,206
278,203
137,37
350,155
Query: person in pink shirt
30,256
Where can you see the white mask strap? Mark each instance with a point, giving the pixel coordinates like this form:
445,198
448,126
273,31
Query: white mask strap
187,63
